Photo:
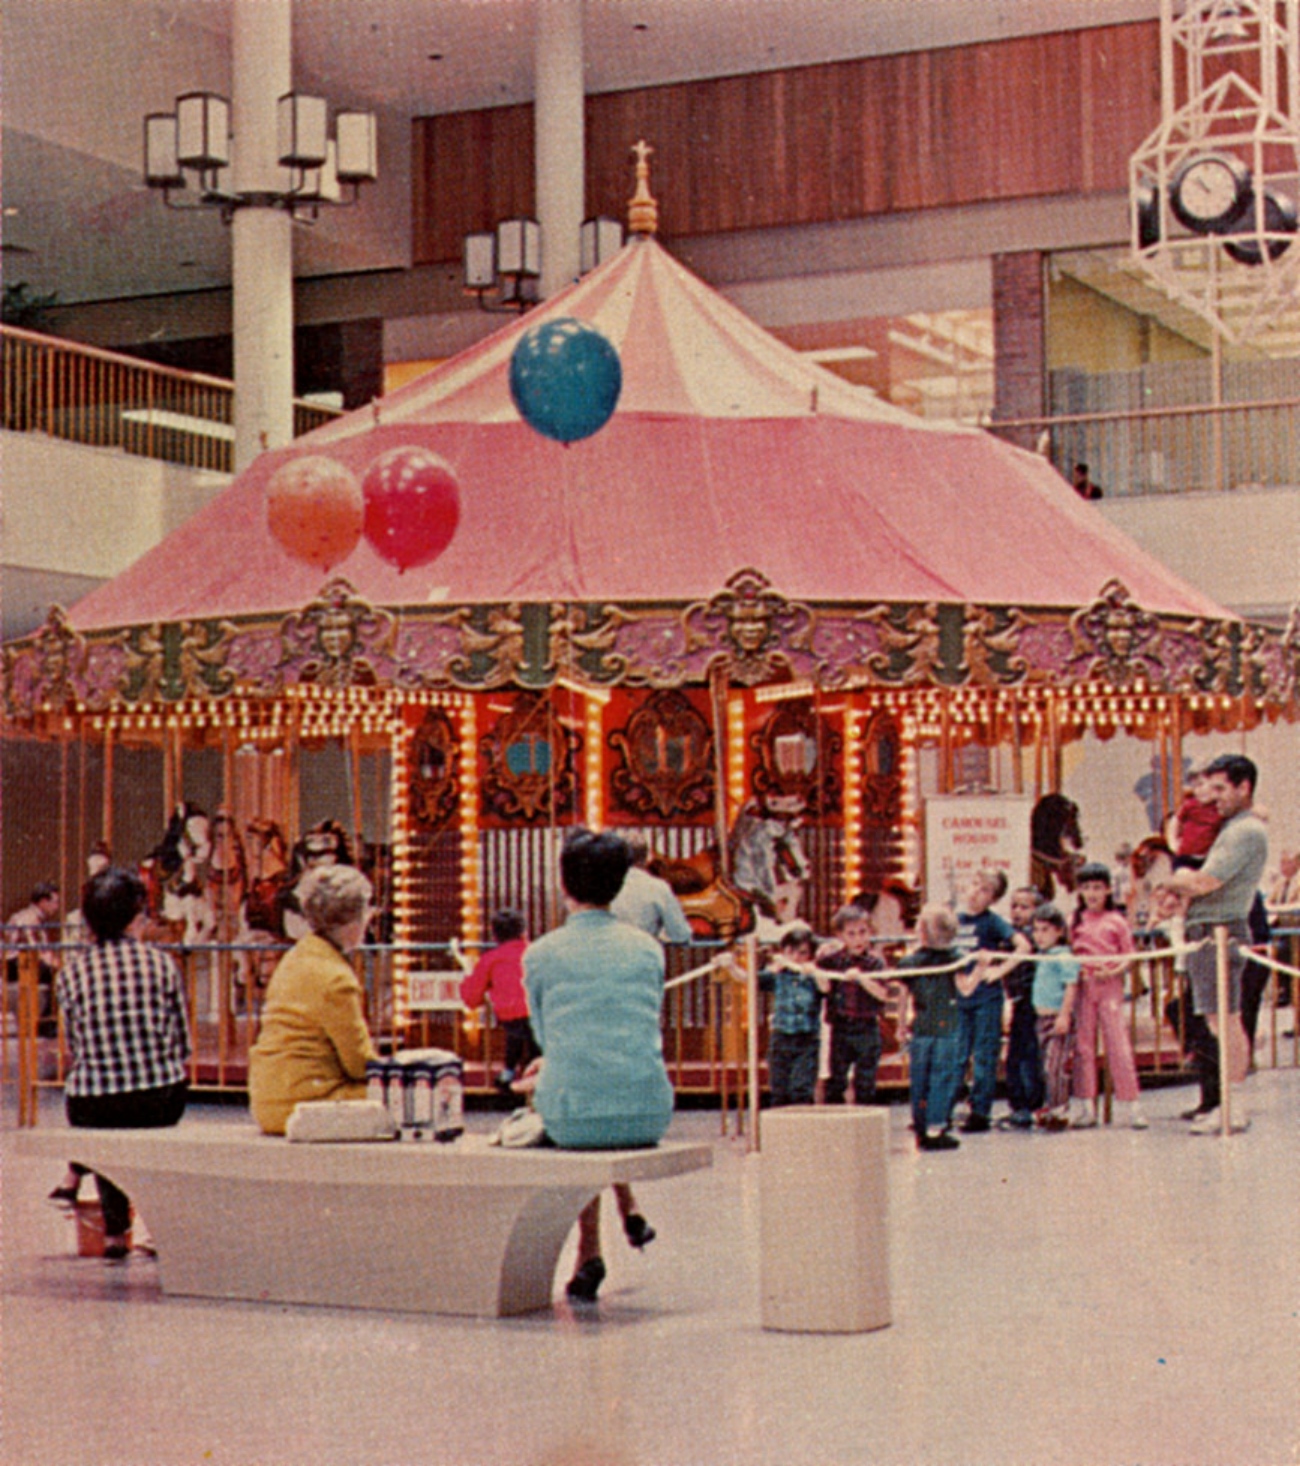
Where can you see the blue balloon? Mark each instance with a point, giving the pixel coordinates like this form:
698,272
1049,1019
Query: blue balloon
565,378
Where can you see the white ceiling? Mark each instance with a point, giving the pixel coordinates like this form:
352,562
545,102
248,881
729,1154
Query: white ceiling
78,76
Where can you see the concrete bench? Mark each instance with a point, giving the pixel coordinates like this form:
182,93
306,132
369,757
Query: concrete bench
463,1228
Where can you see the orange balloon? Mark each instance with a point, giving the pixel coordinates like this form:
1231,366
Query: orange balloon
315,510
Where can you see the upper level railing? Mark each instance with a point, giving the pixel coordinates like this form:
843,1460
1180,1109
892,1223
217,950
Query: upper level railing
1171,450
106,400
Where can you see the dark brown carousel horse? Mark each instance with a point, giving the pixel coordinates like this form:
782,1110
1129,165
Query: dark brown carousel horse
1056,844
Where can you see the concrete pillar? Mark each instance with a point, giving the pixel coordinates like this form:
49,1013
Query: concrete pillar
560,149
823,1219
262,238
1019,341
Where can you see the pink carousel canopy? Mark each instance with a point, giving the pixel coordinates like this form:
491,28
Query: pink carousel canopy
727,449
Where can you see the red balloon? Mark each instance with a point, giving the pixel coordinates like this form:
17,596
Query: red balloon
315,510
412,506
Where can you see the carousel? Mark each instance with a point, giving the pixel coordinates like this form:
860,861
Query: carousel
754,612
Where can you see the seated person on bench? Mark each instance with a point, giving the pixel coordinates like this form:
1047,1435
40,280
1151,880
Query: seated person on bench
595,991
123,1007
314,1043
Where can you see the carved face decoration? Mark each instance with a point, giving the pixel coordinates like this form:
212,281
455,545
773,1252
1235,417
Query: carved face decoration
337,635
1121,633
750,626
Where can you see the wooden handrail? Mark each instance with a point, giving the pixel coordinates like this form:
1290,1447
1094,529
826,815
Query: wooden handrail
137,363
1138,414
102,398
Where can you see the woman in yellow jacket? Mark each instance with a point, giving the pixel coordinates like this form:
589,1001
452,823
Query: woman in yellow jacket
314,1043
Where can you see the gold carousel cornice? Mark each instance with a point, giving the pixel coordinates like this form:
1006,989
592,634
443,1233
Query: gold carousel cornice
748,634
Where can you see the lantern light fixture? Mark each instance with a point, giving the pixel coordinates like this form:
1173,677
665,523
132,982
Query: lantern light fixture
506,263
191,149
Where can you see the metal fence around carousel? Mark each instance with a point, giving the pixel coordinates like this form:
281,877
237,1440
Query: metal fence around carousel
709,1046
225,986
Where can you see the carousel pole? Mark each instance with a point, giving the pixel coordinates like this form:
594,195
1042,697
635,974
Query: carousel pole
1017,750
1176,754
718,709
63,808
1165,785
169,779
82,842
292,750
1222,980
556,914
354,784
945,741
106,817
751,1038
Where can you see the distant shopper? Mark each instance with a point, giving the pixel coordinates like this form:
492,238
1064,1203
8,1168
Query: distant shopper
36,925
1083,485
648,902
123,1006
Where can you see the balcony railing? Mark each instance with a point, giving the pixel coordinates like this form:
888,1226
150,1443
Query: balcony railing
106,400
1171,450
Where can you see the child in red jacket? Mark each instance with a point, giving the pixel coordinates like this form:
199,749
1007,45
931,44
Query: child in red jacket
500,971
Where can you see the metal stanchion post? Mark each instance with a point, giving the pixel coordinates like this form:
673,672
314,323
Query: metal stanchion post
751,1039
1221,1003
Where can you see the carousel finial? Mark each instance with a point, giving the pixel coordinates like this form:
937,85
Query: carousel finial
642,211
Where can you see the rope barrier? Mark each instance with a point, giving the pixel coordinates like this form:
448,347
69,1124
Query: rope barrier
905,974
1255,955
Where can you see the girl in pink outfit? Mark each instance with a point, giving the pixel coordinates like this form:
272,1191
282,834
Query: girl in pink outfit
1099,930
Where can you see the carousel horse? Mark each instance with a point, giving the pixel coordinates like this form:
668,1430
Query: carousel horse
712,905
227,875
176,877
268,879
1055,844
326,843
768,863
1151,864
893,909
768,872
261,913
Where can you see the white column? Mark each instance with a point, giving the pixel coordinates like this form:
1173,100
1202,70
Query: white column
559,139
262,238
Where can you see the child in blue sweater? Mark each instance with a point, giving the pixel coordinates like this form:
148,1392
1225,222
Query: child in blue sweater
1056,984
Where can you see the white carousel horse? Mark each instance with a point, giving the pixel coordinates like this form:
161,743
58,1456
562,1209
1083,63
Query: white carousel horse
177,871
1151,864
769,868
768,862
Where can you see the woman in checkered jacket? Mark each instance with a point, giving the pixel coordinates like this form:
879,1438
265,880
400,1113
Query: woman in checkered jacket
123,1006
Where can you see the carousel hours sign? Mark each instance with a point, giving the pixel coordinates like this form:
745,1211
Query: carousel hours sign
967,833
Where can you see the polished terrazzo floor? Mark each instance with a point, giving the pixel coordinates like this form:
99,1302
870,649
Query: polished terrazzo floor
1087,1298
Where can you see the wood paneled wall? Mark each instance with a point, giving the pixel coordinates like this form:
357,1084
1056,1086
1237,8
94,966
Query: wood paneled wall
1040,115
